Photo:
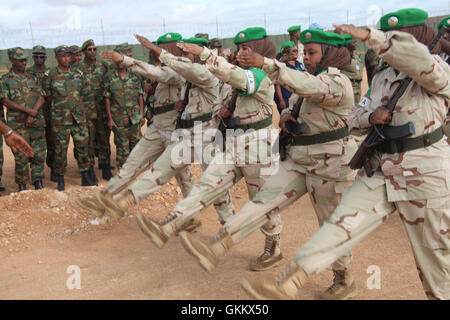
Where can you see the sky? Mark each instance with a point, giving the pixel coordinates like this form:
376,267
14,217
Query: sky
54,22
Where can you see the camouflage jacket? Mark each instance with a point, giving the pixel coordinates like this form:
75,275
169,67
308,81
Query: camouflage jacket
253,106
204,92
66,90
328,97
25,91
94,76
422,173
354,71
168,90
124,97
39,74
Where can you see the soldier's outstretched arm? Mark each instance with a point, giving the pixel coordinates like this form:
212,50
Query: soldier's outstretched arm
15,141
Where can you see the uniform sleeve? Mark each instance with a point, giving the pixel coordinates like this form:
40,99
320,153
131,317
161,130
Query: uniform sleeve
46,85
192,72
3,89
106,87
161,74
323,89
358,117
404,53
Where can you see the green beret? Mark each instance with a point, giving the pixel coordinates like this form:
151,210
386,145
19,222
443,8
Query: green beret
286,44
347,38
87,43
403,18
250,34
215,43
320,36
169,37
198,41
202,35
74,49
444,22
61,50
38,49
294,29
16,53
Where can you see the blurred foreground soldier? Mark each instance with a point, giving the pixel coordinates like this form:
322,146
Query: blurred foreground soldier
21,93
75,57
294,35
445,23
15,141
97,120
354,71
65,89
124,107
2,119
411,174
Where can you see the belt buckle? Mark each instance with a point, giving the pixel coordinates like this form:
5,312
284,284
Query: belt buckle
426,140
183,115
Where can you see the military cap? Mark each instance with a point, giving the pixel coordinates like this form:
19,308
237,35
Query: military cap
294,29
74,49
444,22
320,36
87,43
61,50
403,18
16,53
169,37
198,41
215,43
38,49
250,34
286,44
202,35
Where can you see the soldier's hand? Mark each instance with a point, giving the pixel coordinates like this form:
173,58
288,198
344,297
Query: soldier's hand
111,56
17,143
355,32
250,59
32,113
29,121
380,116
224,112
111,124
284,118
179,106
148,116
190,48
142,122
145,42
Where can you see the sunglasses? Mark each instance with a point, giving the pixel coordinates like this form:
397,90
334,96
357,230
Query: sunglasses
92,49
40,56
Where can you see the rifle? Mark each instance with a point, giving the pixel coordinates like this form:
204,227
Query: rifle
148,107
380,133
184,104
230,122
293,127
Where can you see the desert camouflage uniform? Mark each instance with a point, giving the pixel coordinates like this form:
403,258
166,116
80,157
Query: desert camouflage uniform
321,170
158,135
124,96
413,182
96,117
354,71
445,57
25,91
226,169
49,137
68,116
203,100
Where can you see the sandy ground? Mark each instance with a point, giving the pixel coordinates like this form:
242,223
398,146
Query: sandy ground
43,233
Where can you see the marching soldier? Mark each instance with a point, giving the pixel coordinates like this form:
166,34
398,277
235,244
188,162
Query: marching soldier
411,174
294,35
444,55
21,93
65,88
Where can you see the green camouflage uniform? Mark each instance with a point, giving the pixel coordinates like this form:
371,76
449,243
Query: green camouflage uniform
124,96
25,91
49,137
354,71
96,117
371,61
415,182
68,116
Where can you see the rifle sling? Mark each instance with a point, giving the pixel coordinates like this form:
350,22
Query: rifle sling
407,144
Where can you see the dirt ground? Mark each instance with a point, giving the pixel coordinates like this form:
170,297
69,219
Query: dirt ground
43,233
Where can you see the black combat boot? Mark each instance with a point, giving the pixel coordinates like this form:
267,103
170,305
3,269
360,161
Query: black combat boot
106,171
22,187
53,175
38,185
86,179
60,182
93,176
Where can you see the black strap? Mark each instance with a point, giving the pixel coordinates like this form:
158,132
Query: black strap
320,137
187,124
160,110
261,124
407,144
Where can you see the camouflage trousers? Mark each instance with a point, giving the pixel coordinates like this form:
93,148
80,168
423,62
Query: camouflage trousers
80,139
102,134
362,210
49,137
125,139
91,125
215,181
167,166
36,139
281,190
146,151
